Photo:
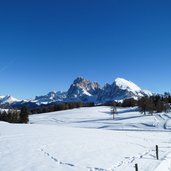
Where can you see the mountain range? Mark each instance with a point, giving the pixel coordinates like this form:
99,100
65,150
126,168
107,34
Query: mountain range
85,91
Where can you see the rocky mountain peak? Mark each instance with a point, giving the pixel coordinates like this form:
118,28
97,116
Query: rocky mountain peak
82,87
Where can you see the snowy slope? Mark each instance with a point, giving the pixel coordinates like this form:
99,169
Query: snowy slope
101,118
127,85
63,141
57,148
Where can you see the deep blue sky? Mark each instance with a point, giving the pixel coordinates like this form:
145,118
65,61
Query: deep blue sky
44,45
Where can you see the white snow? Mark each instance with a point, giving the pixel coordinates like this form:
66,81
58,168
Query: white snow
165,165
87,139
125,84
147,92
101,118
1,97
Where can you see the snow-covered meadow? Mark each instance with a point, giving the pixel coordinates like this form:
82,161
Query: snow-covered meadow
87,139
101,118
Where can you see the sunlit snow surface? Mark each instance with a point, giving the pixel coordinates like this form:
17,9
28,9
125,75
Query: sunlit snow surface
87,139
101,118
125,84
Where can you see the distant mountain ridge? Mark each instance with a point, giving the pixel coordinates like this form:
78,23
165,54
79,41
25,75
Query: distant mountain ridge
8,99
85,91
51,97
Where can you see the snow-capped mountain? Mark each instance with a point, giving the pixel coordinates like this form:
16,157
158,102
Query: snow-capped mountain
121,89
83,90
51,97
86,91
8,99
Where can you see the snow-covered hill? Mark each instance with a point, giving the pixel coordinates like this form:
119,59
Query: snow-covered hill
101,118
63,141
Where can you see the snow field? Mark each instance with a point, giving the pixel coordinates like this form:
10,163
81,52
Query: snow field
87,139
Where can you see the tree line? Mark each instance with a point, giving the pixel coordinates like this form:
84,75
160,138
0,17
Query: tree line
15,116
148,104
59,107
21,115
154,104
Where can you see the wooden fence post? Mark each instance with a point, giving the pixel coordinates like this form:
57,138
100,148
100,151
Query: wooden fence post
136,167
157,152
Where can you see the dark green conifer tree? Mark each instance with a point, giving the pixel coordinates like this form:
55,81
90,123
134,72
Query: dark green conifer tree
24,115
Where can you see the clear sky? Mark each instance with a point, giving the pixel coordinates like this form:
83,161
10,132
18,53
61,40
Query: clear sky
45,45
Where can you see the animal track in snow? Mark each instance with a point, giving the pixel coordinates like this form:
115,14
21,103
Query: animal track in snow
129,160
56,160
70,164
